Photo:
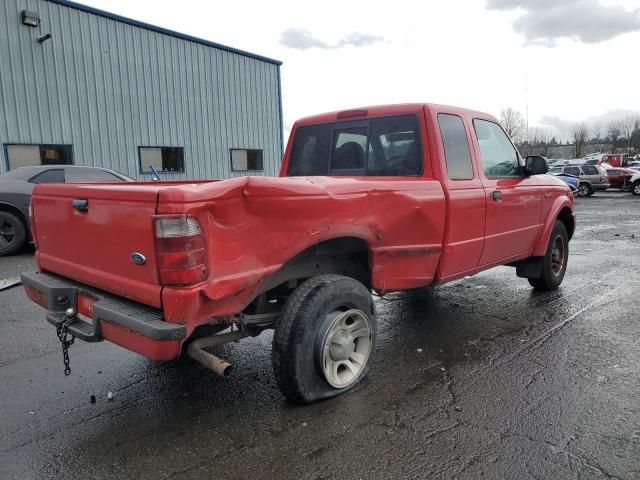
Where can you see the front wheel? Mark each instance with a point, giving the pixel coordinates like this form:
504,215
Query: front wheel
635,188
324,338
554,263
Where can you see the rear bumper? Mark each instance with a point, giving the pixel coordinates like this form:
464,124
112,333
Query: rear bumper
103,316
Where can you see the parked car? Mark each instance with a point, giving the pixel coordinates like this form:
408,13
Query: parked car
616,159
635,183
15,194
620,178
591,178
381,198
570,180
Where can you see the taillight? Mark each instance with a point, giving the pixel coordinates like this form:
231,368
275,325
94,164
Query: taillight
180,249
603,179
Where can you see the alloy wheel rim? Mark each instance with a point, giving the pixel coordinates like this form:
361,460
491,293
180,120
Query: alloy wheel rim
7,234
346,347
583,190
636,188
557,256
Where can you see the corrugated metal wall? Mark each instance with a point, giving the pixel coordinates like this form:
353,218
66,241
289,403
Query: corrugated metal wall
108,87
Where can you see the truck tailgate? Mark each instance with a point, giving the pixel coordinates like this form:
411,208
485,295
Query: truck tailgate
95,245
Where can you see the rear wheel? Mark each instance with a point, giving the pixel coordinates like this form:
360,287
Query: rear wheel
585,190
635,188
554,263
324,339
12,234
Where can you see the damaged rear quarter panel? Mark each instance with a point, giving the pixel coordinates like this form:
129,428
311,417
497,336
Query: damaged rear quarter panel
253,225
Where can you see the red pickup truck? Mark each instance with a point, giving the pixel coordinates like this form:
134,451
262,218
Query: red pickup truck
375,199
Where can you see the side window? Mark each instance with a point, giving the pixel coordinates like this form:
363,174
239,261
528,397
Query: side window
90,175
572,171
31,155
499,157
590,170
49,176
163,159
456,147
349,151
614,172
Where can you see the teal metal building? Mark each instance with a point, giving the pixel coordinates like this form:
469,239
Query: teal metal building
86,87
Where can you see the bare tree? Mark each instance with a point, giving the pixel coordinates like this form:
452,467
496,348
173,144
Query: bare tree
539,141
580,138
627,125
513,123
614,131
596,131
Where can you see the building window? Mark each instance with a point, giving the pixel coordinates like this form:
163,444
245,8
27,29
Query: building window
31,155
243,159
163,159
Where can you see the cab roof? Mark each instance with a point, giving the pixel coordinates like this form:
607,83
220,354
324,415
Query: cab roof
388,110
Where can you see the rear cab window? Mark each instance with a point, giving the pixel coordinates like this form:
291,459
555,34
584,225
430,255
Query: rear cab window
386,146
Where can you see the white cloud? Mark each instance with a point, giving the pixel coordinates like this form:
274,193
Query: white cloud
302,39
588,21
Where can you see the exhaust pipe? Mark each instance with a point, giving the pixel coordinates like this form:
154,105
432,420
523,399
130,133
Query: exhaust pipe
209,360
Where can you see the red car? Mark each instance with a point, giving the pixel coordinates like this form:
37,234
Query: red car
620,178
382,198
615,159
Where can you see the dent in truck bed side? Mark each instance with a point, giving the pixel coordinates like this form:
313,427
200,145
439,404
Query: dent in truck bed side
256,224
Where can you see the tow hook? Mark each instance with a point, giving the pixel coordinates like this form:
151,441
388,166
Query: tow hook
209,360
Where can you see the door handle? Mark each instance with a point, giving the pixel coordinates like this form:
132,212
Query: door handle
497,196
80,204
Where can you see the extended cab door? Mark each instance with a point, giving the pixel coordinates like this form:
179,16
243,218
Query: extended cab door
464,231
513,201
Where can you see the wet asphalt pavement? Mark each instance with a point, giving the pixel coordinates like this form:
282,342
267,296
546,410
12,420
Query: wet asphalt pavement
481,378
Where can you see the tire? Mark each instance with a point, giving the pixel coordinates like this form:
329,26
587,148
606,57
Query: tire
13,234
554,263
635,188
313,328
585,190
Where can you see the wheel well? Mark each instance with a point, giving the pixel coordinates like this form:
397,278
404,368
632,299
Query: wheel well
348,256
4,207
565,217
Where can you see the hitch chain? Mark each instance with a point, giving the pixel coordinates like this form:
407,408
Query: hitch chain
61,330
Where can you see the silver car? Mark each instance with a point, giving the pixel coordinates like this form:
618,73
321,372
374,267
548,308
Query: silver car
591,178
15,196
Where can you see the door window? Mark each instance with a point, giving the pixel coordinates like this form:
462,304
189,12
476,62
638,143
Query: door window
590,170
49,176
498,156
456,147
572,171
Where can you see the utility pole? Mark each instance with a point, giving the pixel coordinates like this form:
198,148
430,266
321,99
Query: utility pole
526,107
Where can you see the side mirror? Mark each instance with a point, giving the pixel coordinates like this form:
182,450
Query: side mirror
536,165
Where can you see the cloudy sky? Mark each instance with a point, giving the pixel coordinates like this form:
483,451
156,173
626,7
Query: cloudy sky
572,60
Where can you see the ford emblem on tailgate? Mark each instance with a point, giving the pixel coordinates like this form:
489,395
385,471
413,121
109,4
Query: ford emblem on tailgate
138,258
